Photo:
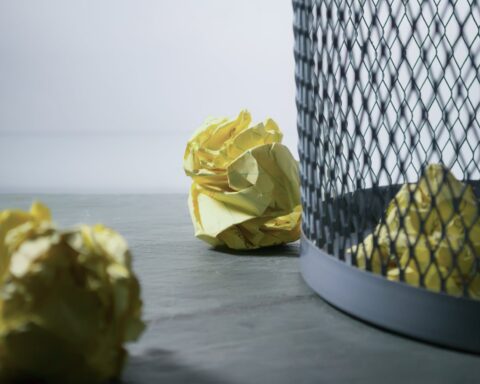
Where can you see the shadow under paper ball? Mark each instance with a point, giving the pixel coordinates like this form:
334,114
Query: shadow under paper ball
161,366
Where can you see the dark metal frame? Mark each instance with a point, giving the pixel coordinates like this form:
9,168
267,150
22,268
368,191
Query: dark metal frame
332,221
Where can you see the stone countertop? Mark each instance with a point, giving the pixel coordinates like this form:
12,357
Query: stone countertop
232,317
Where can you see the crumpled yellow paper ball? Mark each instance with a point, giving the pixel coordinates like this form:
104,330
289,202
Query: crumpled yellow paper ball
245,190
68,300
441,223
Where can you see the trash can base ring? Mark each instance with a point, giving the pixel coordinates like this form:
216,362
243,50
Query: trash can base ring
433,317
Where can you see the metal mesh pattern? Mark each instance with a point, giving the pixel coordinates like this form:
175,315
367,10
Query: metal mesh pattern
385,88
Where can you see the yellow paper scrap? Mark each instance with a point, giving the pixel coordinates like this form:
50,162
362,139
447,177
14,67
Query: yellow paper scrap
68,300
245,190
439,239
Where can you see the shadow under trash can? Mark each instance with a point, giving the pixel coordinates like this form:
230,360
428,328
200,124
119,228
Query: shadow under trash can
388,102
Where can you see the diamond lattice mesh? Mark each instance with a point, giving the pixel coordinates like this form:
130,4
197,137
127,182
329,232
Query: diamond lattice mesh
388,99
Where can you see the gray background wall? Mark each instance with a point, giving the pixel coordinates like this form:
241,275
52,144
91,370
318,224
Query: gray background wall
102,95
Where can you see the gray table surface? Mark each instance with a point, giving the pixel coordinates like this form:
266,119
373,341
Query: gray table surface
216,317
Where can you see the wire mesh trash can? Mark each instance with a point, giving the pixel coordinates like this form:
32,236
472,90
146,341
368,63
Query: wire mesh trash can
388,105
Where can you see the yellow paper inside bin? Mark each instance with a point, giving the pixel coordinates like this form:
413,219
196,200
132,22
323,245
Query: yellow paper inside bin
446,249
